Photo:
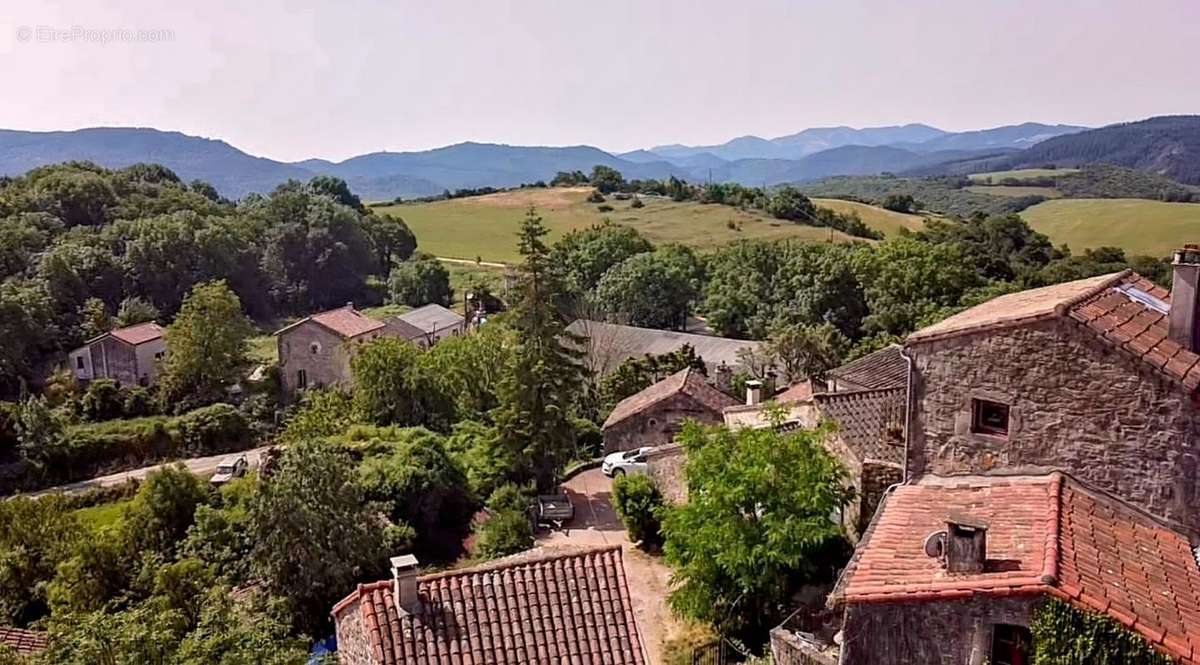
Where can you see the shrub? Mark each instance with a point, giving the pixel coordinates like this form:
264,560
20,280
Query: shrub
506,532
604,207
138,403
637,203
595,197
639,503
509,497
102,401
212,429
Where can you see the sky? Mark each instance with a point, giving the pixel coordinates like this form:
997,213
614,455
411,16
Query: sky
292,80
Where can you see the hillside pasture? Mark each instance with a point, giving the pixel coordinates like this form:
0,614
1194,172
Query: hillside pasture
486,227
997,177
1138,226
881,219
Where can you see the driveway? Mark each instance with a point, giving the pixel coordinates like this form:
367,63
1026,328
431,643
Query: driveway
200,466
596,523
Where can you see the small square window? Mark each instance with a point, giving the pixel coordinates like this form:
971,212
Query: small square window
1011,645
989,417
79,362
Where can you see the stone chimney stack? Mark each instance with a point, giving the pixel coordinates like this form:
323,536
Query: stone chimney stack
754,392
966,544
404,584
1185,292
723,377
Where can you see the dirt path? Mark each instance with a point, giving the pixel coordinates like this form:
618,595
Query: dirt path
596,523
200,466
488,264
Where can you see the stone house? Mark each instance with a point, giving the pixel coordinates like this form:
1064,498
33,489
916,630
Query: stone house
565,605
130,356
953,568
315,351
434,322
653,416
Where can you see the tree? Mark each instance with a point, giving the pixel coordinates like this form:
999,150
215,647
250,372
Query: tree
788,203
638,373
36,535
423,487
94,318
648,290
607,179
582,257
315,537
393,240
908,281
102,401
420,280
392,386
807,352
163,510
546,378
336,189
39,431
639,504
206,345
756,525
899,203
134,310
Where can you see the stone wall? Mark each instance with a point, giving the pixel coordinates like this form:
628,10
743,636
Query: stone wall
353,648
658,424
666,470
1075,404
953,631
329,365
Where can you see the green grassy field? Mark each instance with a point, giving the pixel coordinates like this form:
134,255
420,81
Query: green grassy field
1002,190
880,219
100,516
1138,226
1018,174
486,226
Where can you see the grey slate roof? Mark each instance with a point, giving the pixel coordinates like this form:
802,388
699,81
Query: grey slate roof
884,368
432,318
611,344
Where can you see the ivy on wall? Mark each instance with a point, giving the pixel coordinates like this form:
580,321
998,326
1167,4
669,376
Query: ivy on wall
1063,635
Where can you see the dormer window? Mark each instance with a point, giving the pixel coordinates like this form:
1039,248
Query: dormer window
988,417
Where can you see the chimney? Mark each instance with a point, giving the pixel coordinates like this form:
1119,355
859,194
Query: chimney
1185,292
754,392
349,304
404,584
769,385
966,544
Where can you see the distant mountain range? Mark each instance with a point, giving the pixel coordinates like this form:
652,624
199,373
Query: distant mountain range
1159,143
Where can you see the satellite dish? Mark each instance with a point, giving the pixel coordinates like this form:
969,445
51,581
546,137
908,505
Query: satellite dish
935,544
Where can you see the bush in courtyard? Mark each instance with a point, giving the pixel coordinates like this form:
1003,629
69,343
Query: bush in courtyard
639,503
505,532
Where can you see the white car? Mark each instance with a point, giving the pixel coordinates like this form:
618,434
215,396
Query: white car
626,461
231,467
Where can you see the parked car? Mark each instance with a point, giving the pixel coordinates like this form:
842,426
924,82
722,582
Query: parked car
231,467
626,461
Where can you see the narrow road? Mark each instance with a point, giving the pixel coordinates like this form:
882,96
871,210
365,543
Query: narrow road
489,264
199,466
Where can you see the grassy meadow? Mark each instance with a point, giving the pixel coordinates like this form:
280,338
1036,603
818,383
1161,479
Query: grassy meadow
1018,174
485,227
1139,226
880,219
1015,190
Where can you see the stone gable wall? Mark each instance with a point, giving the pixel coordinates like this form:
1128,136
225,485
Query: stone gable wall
330,366
353,648
1076,405
114,359
658,425
928,632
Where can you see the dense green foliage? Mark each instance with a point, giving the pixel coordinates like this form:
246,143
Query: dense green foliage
639,504
208,346
639,373
1063,635
945,194
755,527
420,280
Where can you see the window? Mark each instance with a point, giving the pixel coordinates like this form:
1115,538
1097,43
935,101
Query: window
78,362
1011,645
989,417
301,379
158,356
315,348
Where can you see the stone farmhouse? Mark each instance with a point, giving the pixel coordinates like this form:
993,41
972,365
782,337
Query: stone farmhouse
545,607
130,356
1049,450
653,416
315,351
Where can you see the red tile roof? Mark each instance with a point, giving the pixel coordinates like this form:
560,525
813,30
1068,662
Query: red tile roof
1047,535
1102,306
538,607
344,321
24,642
800,392
686,381
139,334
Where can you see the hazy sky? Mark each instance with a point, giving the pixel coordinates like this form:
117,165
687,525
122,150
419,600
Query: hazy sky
291,80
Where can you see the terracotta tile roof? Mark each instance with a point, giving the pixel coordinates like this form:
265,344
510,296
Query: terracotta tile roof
542,607
801,392
884,368
1016,308
138,334
345,321
686,381
24,642
1047,535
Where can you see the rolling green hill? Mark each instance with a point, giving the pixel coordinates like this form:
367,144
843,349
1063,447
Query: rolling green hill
486,226
1138,226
